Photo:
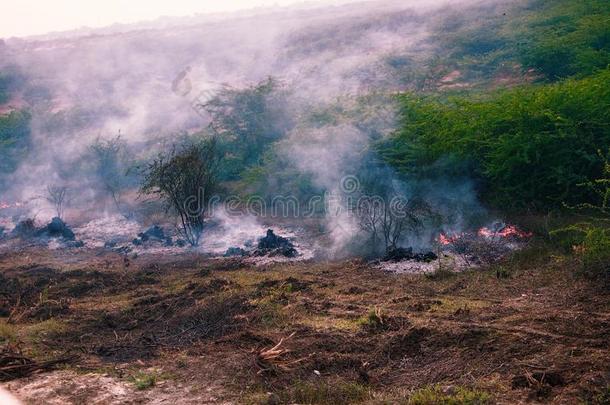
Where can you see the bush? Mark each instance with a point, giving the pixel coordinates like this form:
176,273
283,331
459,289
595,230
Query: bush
530,147
14,139
185,179
246,121
595,251
567,38
110,165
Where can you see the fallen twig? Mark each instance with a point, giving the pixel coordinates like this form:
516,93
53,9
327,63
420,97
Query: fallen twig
15,365
271,359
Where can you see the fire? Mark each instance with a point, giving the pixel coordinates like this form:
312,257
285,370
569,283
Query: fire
444,240
5,205
509,231
500,231
447,239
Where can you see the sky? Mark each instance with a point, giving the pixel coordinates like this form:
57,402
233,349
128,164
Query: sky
21,18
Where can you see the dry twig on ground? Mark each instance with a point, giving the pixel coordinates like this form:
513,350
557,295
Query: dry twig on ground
13,364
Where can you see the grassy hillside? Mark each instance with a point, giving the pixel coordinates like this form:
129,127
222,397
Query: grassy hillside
553,39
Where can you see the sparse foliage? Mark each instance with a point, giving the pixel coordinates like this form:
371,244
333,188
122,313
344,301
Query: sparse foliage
110,168
185,179
57,196
388,221
246,121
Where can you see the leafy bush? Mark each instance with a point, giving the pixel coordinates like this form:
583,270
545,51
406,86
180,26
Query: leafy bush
246,121
591,239
10,81
110,165
14,139
530,147
595,251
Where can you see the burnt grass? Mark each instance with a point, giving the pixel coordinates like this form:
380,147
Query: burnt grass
539,335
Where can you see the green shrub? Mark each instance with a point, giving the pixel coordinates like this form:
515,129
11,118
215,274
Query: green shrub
14,139
143,381
595,251
435,395
529,147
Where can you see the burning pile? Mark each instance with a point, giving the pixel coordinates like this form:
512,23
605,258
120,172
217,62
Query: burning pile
486,245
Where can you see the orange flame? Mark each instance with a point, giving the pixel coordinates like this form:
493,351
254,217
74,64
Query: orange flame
5,205
448,239
509,231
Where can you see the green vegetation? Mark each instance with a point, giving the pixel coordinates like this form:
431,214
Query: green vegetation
143,381
14,127
110,159
530,147
10,81
247,122
567,38
185,179
326,393
435,395
590,238
556,38
14,139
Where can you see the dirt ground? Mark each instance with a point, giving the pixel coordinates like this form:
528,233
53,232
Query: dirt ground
196,330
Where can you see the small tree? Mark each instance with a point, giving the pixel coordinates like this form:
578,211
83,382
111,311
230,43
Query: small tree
390,218
57,196
400,216
109,159
185,179
369,212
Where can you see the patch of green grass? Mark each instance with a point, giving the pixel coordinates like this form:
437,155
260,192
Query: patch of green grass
436,395
271,314
39,331
8,333
142,380
373,320
325,393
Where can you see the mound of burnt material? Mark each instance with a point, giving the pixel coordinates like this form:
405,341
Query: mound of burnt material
154,234
235,252
397,254
24,229
57,229
275,245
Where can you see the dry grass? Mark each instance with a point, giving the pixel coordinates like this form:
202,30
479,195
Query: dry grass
336,332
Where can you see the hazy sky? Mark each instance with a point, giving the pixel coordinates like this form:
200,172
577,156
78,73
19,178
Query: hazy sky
32,17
